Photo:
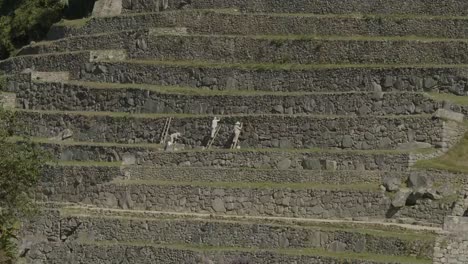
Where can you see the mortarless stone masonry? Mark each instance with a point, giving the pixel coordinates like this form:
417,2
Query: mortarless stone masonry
143,44
137,99
226,22
334,105
275,131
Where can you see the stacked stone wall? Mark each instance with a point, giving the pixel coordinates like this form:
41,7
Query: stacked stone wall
217,22
304,203
250,159
240,49
456,7
258,131
257,78
88,175
92,175
51,96
452,245
147,254
241,234
317,80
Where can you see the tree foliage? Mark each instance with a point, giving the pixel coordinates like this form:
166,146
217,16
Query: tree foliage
20,168
23,21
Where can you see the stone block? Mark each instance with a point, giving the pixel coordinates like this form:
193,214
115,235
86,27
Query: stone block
418,181
449,115
284,164
104,8
129,159
391,183
311,164
347,141
414,145
50,76
401,197
168,30
7,100
331,165
107,55
337,246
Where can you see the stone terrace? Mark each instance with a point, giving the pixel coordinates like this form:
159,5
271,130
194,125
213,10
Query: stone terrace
337,101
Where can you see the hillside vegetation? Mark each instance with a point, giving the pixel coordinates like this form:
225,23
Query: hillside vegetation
23,21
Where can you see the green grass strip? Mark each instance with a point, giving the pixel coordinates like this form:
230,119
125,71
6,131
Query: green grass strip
195,116
40,140
256,185
74,23
85,164
256,150
310,37
285,66
233,11
456,99
371,229
189,91
455,160
292,252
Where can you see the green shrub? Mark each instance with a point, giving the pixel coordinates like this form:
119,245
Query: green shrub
23,21
20,168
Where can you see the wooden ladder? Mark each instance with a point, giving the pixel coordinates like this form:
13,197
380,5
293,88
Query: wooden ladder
165,132
210,143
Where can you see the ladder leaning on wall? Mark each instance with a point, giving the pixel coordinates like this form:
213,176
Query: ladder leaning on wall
210,143
165,132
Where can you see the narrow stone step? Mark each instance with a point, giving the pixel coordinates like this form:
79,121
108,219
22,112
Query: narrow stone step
305,200
57,62
422,7
312,169
89,153
146,252
239,23
303,49
287,77
270,77
99,225
88,173
140,98
258,131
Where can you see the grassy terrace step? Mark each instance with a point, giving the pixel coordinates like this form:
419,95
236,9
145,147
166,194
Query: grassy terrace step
270,49
283,77
141,98
66,61
304,200
87,173
359,237
90,153
454,161
148,252
423,7
259,131
270,77
232,22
